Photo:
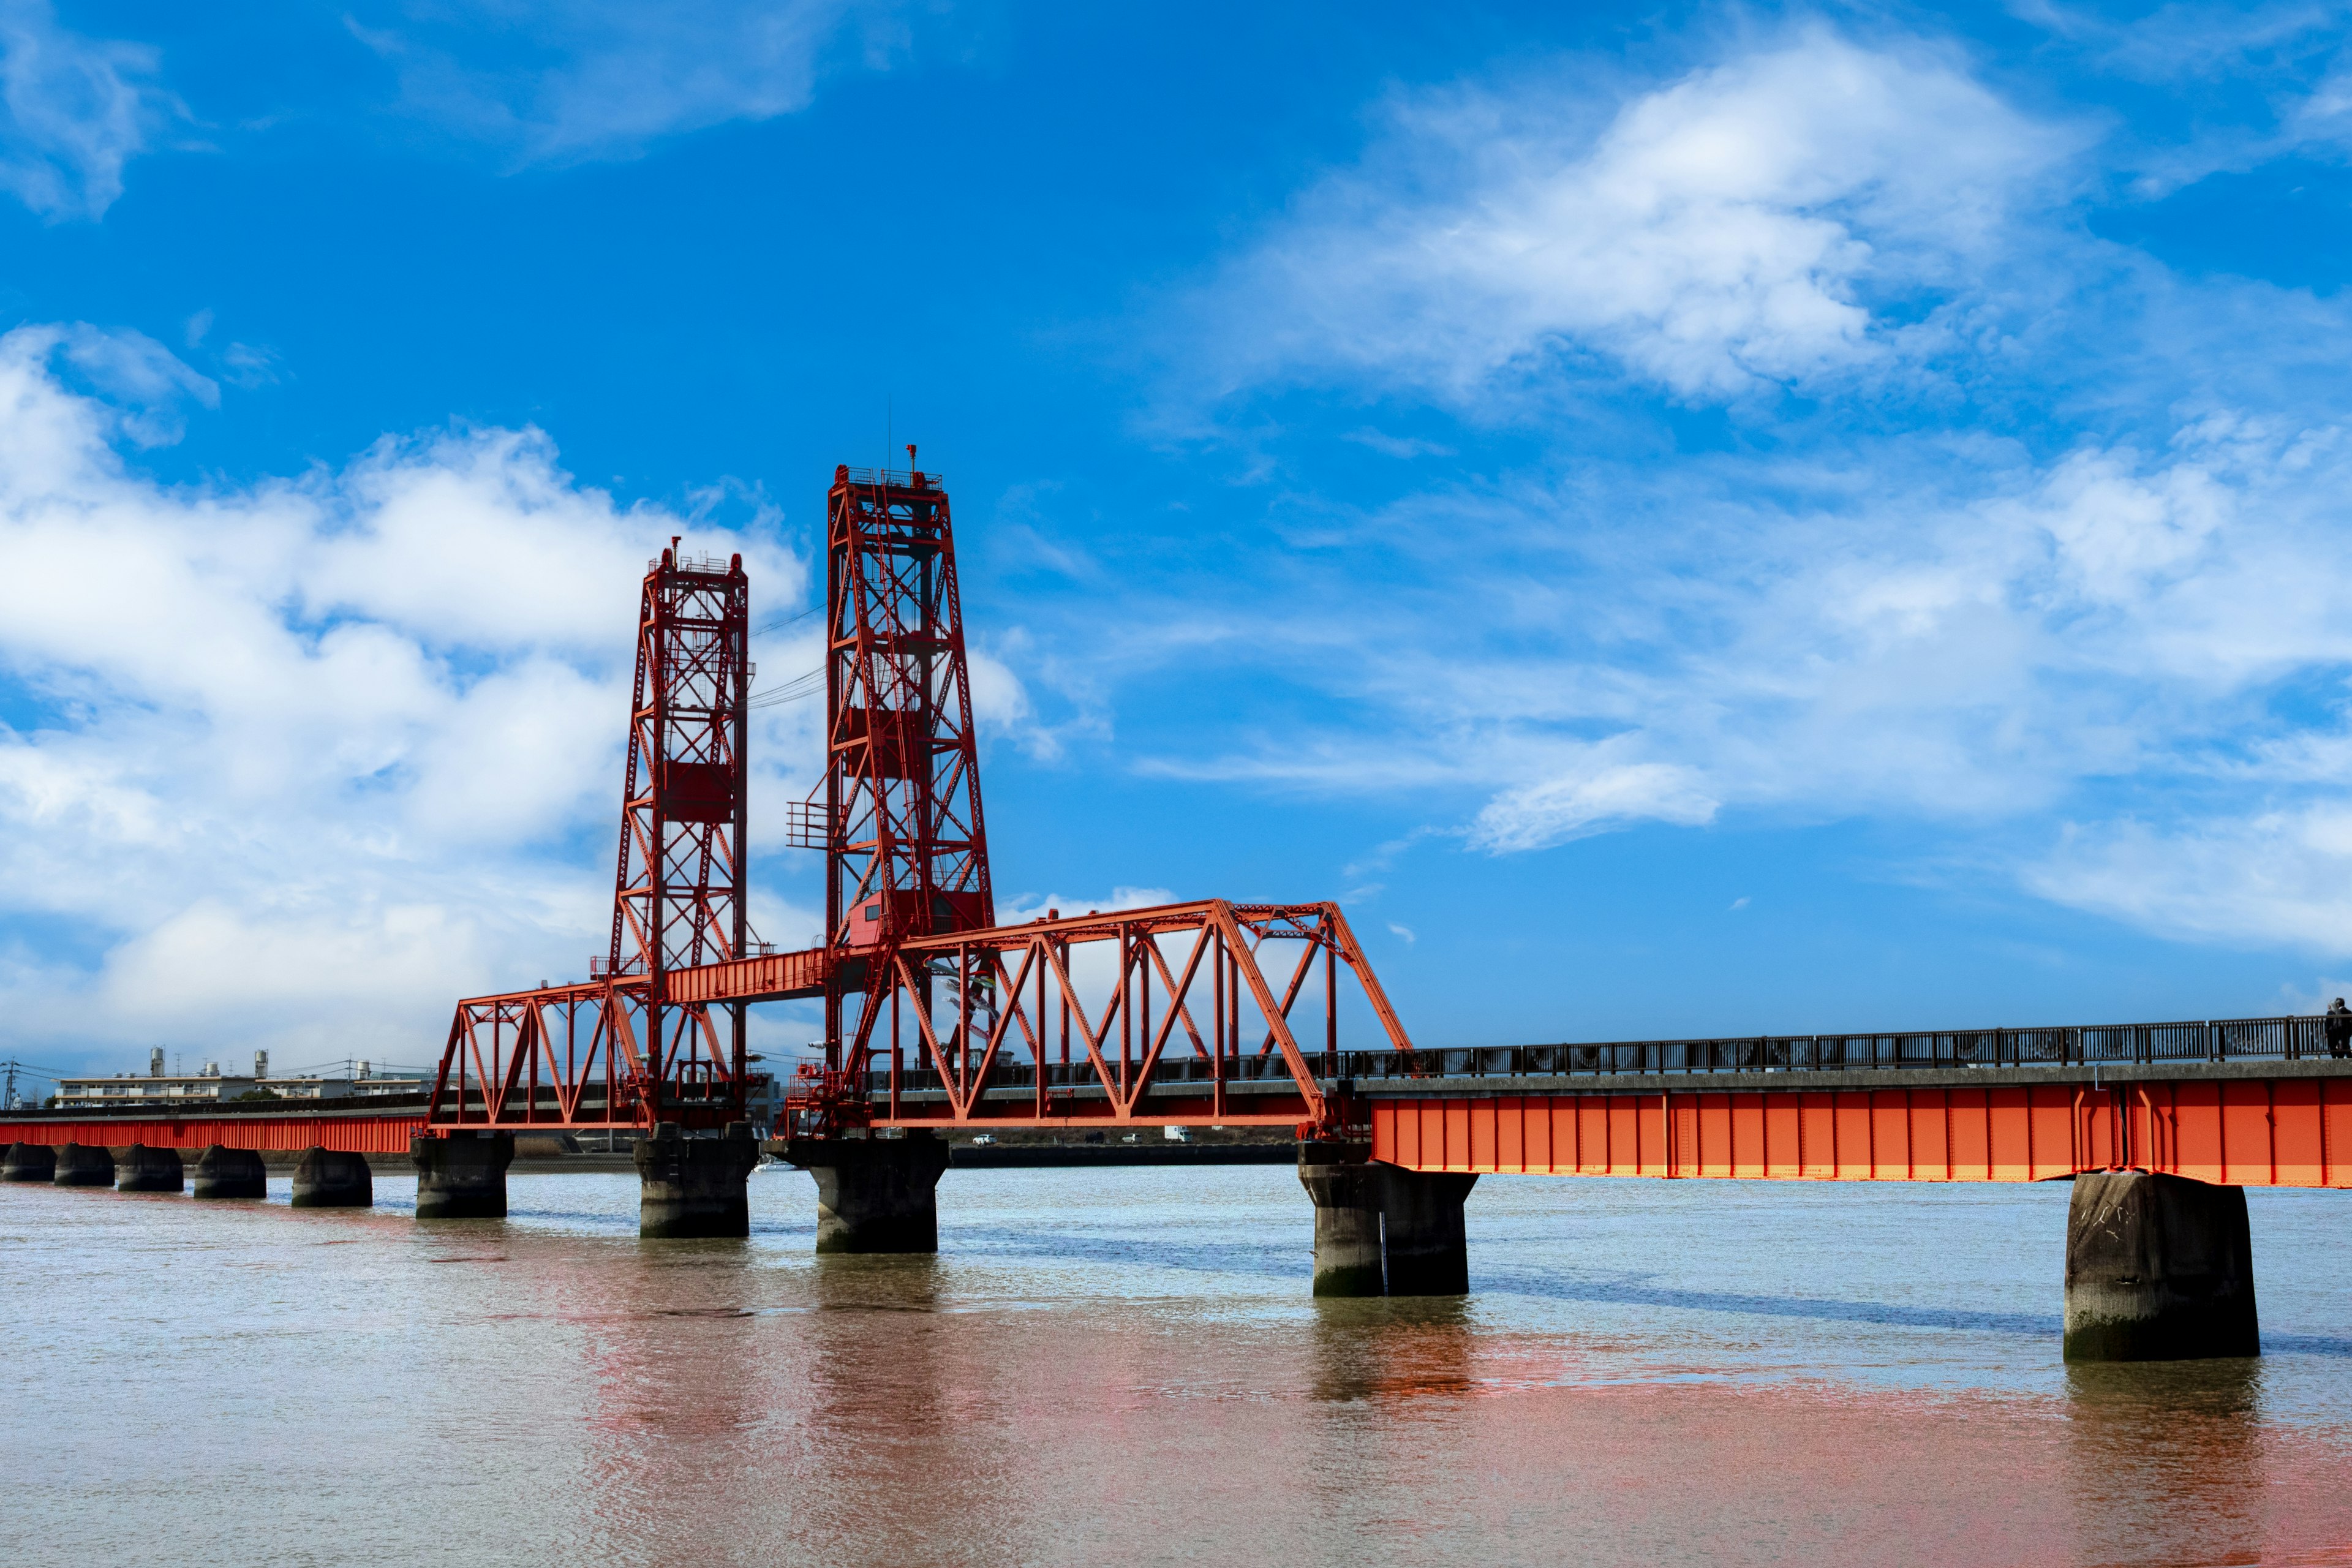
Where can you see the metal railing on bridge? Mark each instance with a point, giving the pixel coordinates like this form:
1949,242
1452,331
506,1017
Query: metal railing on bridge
2289,1038
2184,1041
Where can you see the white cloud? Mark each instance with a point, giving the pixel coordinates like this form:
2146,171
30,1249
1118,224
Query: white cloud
1027,907
1592,798
2281,878
563,80
304,761
144,385
73,110
1724,231
998,697
1388,445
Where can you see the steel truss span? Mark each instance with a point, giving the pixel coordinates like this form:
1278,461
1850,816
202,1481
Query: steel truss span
2254,1132
1159,1016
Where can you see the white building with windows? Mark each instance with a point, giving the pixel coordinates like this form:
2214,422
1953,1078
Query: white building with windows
210,1086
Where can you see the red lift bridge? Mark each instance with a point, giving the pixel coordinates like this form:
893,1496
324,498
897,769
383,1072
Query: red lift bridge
935,1015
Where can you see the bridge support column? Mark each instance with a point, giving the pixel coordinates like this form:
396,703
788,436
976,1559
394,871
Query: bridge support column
84,1165
150,1170
338,1179
29,1162
1347,1194
462,1176
874,1194
2157,1268
1421,1237
694,1186
226,1173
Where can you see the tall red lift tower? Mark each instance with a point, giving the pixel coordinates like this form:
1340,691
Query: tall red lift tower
906,847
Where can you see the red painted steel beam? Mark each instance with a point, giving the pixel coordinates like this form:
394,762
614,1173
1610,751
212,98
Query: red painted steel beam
775,978
2283,1133
347,1135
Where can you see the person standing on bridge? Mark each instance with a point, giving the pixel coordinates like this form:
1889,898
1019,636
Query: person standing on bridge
2339,1028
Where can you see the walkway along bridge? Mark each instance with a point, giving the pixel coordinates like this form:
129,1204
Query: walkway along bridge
1208,1013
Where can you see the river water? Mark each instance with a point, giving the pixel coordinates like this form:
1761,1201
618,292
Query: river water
1126,1367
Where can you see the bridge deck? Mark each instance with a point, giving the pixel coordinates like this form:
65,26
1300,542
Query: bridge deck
2209,1122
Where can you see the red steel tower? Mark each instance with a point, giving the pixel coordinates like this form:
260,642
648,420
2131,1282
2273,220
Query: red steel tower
639,1043
905,848
678,890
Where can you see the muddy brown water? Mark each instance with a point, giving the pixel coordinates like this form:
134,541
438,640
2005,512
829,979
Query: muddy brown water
1126,1365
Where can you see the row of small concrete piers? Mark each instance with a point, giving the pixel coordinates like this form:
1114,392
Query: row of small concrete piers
691,1186
325,1178
1379,1230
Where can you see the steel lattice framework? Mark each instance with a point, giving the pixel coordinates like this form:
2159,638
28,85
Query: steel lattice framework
970,1024
908,851
935,1015
620,1050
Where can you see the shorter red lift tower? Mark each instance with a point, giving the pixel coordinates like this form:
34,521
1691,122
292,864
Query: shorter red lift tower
624,1048
936,1016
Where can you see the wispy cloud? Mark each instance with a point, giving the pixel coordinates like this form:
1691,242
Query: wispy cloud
567,80
1786,217
73,111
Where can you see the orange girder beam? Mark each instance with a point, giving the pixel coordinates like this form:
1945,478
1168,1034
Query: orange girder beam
773,977
347,1135
2258,1132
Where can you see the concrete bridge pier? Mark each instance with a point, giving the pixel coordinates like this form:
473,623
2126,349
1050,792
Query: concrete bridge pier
694,1186
1382,1230
84,1165
2157,1268
149,1170
226,1173
874,1194
1346,1190
462,1176
339,1179
29,1162
1422,1237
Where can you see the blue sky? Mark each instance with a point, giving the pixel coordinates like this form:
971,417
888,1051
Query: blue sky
1686,519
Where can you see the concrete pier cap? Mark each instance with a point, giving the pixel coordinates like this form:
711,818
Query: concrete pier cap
873,1194
462,1175
695,1186
146,1169
341,1179
226,1173
29,1162
2157,1268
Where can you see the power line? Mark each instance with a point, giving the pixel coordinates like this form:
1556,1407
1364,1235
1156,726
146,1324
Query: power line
780,622
798,689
